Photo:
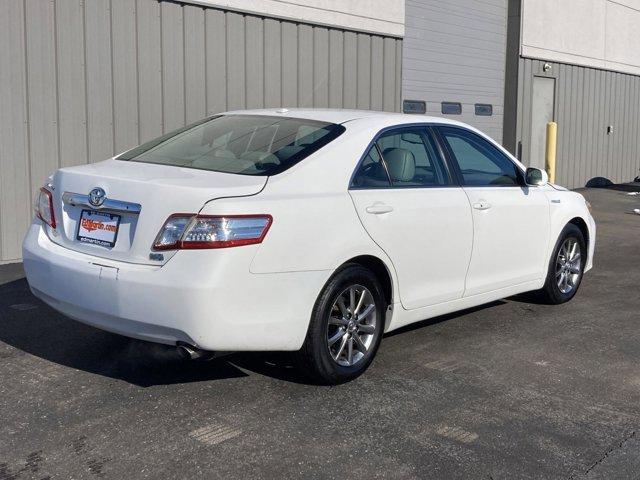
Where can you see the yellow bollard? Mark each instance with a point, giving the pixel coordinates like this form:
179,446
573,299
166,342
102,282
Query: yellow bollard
550,150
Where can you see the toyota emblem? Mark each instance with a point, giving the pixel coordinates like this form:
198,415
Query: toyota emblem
97,196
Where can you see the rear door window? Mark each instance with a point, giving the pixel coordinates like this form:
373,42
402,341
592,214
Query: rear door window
412,159
372,173
402,157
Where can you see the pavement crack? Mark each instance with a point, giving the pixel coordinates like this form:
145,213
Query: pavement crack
615,447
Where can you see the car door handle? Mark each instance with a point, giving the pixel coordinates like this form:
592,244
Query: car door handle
482,206
379,208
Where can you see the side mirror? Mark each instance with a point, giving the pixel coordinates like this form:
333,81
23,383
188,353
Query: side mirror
536,177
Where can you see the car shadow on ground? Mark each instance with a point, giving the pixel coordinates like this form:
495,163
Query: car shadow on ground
443,318
32,327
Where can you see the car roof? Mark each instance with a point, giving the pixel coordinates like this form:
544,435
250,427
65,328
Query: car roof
337,115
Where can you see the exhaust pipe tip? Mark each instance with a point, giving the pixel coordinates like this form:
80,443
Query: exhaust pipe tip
189,352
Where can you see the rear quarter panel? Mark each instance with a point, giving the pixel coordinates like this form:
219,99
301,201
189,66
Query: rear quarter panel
309,232
315,224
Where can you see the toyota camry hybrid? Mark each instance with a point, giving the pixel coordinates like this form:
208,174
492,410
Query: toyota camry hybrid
311,231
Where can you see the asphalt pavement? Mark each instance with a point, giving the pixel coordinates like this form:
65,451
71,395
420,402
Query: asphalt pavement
514,389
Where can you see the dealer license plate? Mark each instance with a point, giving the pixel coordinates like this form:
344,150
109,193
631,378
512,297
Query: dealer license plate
98,228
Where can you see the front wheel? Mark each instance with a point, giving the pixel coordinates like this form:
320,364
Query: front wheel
566,266
346,327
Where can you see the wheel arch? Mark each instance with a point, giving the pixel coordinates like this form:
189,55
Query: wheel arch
582,225
381,271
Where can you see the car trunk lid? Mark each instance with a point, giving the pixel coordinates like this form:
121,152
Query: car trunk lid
138,198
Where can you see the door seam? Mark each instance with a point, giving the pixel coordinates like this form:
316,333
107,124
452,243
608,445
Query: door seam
473,241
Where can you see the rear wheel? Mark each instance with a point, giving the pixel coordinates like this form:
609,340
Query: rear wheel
566,266
346,327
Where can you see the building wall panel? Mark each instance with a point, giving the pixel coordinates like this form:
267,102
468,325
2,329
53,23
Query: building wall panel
305,65
195,85
83,80
15,192
216,58
289,63
592,33
42,88
377,74
172,44
99,81
125,74
363,65
71,83
320,67
273,63
587,101
336,68
382,17
149,64
350,69
254,80
389,75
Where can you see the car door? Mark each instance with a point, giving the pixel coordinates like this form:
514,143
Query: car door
410,206
511,220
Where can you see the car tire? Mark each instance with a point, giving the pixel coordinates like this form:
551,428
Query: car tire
566,266
340,345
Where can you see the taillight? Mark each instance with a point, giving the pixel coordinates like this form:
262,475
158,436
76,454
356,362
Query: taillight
44,207
190,231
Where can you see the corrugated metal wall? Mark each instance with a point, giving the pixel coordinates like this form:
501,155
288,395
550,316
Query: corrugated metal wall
81,80
587,101
455,51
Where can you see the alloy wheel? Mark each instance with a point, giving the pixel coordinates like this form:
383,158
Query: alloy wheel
352,325
568,265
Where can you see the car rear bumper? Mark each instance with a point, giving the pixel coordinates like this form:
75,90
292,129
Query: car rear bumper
207,298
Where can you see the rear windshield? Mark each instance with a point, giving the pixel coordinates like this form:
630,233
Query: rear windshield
243,144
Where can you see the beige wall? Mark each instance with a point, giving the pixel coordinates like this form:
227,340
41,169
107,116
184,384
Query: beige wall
595,33
375,16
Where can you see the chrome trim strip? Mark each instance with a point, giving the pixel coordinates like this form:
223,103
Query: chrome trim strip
78,199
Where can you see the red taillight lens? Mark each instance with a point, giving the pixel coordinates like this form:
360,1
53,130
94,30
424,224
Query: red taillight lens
191,231
44,207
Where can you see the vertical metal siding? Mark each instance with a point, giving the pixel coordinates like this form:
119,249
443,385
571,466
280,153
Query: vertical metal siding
99,84
15,171
72,120
125,74
194,64
149,64
42,90
82,80
455,51
587,101
336,68
273,65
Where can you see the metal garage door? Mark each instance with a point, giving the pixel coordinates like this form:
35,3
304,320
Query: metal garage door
455,52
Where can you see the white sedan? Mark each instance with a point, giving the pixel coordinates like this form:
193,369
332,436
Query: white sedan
312,231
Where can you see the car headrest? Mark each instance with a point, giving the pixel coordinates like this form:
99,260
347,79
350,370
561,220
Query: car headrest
401,163
261,157
305,135
223,153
